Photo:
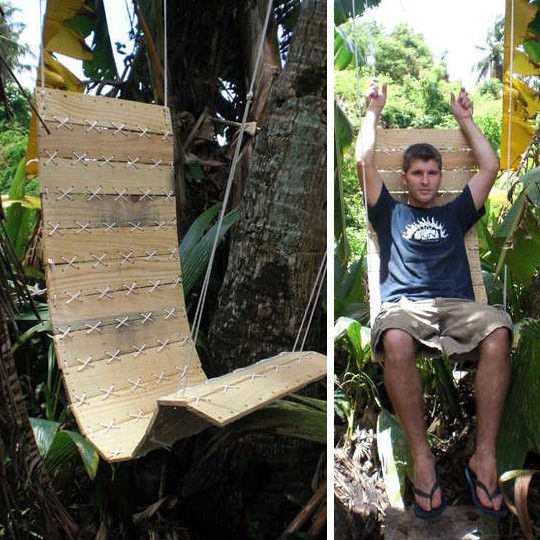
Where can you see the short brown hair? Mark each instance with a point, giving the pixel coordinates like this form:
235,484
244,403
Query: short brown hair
422,151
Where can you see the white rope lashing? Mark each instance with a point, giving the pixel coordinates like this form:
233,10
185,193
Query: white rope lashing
311,305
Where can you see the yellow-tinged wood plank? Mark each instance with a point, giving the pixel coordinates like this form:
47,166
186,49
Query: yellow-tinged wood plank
80,146
111,243
391,143
93,279
165,303
134,213
58,176
83,109
226,398
141,376
110,342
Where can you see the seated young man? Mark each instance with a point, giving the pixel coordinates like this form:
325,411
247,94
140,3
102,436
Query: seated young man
428,298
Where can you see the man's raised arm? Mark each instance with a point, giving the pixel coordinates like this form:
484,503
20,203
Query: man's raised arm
488,164
365,144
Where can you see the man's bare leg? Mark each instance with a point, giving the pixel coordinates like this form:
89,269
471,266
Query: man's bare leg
404,388
492,381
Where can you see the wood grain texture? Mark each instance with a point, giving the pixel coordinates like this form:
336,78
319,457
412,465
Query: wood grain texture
114,285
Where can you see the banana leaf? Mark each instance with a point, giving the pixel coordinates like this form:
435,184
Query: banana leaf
395,457
59,446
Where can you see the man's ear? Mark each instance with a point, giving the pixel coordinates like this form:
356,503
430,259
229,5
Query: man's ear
404,179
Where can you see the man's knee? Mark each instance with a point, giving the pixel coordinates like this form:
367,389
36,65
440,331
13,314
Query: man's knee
499,338
398,344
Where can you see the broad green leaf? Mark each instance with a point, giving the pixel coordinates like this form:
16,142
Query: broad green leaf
395,457
343,55
344,9
196,230
195,263
89,456
43,326
44,432
343,128
102,64
349,329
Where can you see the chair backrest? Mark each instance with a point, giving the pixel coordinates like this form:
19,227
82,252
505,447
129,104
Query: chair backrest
112,264
458,167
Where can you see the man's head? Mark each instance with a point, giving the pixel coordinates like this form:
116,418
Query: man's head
422,174
422,151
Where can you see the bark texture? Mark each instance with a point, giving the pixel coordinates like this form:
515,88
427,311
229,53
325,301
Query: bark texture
26,492
280,239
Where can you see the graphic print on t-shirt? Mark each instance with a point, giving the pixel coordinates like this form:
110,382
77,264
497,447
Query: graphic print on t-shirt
425,230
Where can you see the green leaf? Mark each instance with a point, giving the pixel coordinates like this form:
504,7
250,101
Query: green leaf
45,432
43,326
343,54
89,456
343,128
196,230
195,262
395,457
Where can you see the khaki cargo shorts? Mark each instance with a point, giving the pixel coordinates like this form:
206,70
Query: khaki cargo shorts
447,325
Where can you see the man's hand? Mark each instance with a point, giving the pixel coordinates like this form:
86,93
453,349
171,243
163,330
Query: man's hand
375,98
462,107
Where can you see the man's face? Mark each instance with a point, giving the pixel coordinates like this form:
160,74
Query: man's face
422,180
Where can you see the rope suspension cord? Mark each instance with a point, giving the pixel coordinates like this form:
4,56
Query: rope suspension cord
312,304
249,98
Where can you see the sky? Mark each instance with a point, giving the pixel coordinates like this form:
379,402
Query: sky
455,26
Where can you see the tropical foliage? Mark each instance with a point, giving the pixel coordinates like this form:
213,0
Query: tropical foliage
509,253
206,100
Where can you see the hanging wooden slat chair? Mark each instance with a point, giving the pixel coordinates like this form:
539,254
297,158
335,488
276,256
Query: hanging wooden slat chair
121,333
458,167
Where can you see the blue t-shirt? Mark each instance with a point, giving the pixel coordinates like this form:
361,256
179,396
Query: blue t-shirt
422,249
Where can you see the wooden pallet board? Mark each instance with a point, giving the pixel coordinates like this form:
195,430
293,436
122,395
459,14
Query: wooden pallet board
114,284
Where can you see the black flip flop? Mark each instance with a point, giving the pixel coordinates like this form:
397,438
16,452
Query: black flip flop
419,512
475,483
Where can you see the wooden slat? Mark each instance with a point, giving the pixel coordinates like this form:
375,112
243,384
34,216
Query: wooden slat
71,214
106,111
235,394
391,143
125,371
105,345
88,277
112,177
69,245
71,144
80,344
451,180
94,309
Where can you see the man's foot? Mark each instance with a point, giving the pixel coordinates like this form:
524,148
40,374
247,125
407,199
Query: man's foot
428,494
486,494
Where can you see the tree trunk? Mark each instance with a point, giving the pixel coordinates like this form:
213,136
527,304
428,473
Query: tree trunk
280,239
258,484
